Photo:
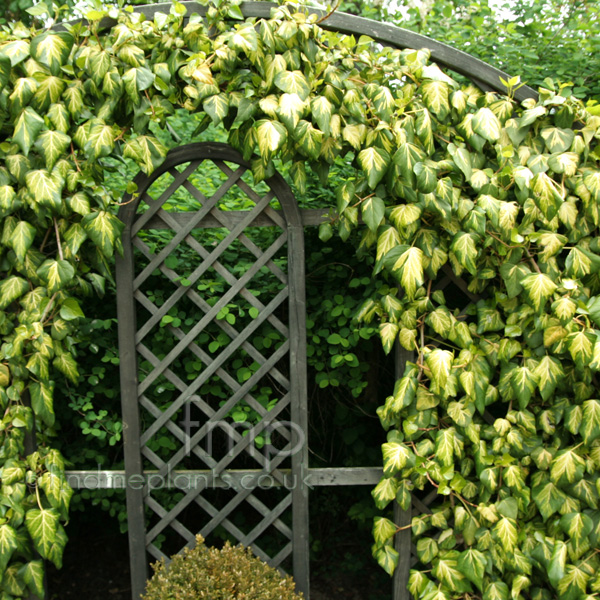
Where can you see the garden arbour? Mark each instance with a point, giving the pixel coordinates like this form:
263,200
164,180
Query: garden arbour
494,412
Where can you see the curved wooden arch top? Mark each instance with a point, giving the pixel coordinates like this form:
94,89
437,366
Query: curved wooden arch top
207,151
479,72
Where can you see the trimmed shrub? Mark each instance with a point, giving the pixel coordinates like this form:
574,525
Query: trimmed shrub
229,573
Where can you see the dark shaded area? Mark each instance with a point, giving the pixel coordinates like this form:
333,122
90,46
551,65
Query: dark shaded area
96,559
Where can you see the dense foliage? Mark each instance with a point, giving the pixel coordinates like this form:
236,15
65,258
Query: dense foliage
496,413
229,573
535,39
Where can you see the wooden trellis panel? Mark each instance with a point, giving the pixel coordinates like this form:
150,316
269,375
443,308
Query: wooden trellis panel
172,420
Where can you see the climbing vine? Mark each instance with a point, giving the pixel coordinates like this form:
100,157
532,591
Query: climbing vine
496,413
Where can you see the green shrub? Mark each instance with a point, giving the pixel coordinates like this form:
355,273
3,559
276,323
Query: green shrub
229,573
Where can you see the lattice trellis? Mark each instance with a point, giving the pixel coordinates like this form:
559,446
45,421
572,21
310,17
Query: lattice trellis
173,419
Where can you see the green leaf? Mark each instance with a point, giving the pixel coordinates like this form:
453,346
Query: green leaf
590,427
464,248
547,195
52,146
556,139
567,467
556,567
576,525
245,38
21,239
444,444
42,525
100,140
56,274
374,162
524,383
506,532
373,211
104,229
383,530
573,584
271,135
310,139
549,372
27,127
147,151
395,457
407,266
440,364
52,49
45,188
292,82
487,125
496,590
11,289
387,558
66,364
216,107
385,492
472,564
136,80
388,332
435,97
321,110
427,549
539,288
548,498
57,491
16,51
290,111
42,401
8,544
32,573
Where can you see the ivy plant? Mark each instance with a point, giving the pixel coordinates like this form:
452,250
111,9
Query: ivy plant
496,413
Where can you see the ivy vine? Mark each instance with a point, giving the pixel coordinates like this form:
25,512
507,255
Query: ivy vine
497,413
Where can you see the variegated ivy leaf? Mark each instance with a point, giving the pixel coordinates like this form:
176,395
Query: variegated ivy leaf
549,372
385,491
27,127
383,530
388,238
52,49
395,457
487,125
374,162
32,573
581,345
567,467
292,82
16,51
387,558
321,111
354,135
465,250
42,525
56,274
592,182
472,564
388,333
290,110
104,229
435,97
565,162
45,188
590,427
52,146
547,194
21,239
66,364
216,107
270,135
406,158
373,210
147,151
309,138
557,140
245,38
11,289
42,401
8,544
539,288
407,266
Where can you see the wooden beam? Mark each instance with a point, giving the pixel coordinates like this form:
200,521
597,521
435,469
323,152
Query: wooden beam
178,479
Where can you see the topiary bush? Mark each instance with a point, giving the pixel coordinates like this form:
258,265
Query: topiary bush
229,573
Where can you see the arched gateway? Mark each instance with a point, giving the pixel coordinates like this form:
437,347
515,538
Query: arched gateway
216,462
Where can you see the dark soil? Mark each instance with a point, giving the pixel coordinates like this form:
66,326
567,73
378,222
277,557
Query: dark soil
96,565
